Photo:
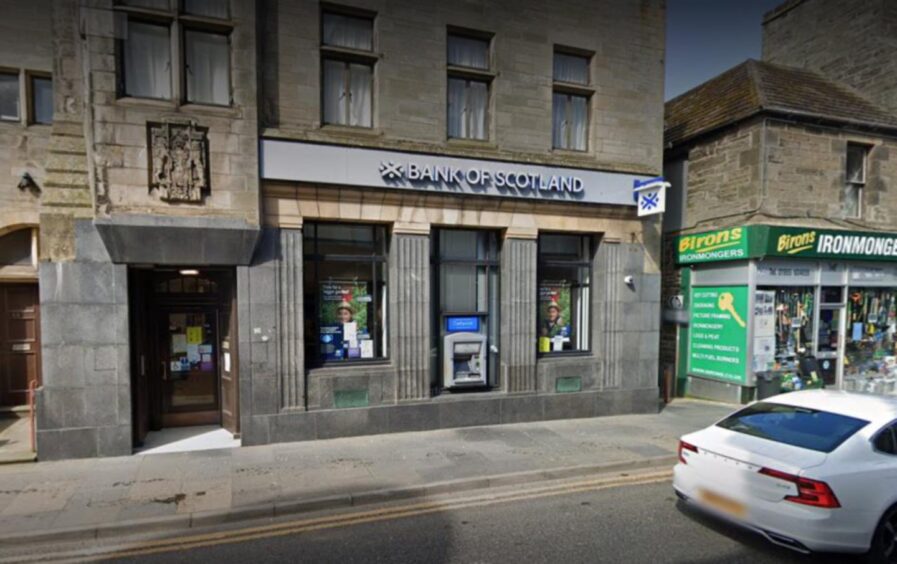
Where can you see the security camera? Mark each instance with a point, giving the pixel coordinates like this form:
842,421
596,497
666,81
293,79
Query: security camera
629,280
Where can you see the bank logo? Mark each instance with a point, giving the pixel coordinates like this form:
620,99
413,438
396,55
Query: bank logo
650,201
391,171
794,244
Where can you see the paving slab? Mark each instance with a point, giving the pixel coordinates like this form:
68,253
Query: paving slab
132,495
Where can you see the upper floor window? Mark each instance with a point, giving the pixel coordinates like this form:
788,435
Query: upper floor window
9,96
158,29
38,97
347,68
468,60
570,101
855,179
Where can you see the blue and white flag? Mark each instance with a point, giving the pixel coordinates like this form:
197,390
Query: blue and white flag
650,195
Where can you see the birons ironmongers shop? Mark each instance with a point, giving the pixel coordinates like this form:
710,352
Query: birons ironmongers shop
799,307
399,291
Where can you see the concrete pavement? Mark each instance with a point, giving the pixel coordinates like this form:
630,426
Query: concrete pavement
97,498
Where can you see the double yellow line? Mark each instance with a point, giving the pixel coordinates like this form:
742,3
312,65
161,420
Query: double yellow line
350,519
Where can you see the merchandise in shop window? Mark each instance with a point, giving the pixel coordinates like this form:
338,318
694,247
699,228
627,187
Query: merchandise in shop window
870,360
554,313
344,320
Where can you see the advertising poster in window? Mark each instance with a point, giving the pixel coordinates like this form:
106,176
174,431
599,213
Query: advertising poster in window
554,316
717,345
344,320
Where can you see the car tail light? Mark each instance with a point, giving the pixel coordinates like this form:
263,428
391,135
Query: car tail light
683,446
809,492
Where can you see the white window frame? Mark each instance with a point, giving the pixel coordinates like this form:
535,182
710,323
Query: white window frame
858,185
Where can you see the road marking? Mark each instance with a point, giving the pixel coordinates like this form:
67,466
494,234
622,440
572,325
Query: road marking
344,520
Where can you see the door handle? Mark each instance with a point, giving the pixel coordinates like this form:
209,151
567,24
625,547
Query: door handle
164,371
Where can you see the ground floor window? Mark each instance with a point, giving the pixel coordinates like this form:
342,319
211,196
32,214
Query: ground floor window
564,278
870,357
345,292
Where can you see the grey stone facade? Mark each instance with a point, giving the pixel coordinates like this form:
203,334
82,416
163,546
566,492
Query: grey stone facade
103,211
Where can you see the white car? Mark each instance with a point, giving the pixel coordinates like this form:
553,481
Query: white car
814,470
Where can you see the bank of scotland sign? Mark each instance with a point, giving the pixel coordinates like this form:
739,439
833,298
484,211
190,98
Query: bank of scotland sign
650,195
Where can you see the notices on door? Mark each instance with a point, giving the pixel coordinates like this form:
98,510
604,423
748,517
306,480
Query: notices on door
717,346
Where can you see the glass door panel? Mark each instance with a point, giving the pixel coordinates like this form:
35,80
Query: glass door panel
191,373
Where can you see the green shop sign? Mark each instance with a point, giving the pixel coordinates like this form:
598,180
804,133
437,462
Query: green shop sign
756,241
717,343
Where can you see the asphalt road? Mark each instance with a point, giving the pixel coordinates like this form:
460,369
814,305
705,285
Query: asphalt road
636,523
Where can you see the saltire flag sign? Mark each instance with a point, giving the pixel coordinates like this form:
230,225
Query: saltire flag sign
650,195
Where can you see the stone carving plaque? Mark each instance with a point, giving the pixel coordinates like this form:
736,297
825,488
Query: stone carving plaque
179,169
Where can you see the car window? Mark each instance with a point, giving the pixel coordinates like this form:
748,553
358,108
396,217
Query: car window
797,426
886,440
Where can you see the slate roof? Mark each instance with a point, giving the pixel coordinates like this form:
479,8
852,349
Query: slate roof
756,86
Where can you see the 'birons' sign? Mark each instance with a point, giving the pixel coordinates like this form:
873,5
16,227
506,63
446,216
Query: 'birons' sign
757,241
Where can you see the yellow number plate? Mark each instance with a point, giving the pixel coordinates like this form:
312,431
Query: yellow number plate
723,503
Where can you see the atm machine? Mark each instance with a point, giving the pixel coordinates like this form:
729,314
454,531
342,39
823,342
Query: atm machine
464,360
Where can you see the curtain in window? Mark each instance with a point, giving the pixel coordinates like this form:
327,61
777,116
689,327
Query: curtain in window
456,114
468,52
348,31
334,92
570,68
559,119
477,100
852,200
42,99
208,8
360,95
856,157
208,68
147,61
9,96
579,122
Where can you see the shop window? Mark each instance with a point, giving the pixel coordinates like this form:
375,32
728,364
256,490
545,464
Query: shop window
155,29
469,78
564,278
9,96
345,292
855,179
790,312
347,43
870,364
570,102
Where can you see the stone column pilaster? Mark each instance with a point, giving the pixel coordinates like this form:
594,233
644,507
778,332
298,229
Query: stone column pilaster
410,308
518,314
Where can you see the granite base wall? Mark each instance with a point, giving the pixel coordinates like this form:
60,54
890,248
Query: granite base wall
445,412
84,403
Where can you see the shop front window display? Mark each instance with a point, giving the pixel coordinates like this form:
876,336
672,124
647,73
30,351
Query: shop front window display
783,341
870,359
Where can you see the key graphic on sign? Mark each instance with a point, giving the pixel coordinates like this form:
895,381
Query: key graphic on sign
727,303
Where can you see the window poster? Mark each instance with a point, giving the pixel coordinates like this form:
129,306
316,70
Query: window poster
554,315
345,331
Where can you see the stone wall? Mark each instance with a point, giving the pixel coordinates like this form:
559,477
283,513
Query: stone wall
811,34
25,46
627,39
84,403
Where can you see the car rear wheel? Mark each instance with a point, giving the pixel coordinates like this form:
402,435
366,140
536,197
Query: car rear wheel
884,543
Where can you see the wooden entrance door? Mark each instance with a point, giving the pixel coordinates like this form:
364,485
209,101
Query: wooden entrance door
19,342
188,342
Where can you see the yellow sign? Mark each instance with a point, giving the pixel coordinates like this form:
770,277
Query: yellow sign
707,242
194,335
793,244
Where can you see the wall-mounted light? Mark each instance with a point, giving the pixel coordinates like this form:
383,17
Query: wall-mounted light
189,272
26,182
